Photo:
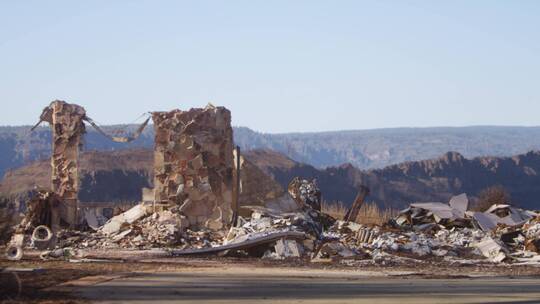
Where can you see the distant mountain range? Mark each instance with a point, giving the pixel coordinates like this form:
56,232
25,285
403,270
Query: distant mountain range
378,148
364,149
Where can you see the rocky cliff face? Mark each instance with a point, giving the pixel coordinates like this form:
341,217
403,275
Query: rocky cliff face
119,175
436,179
378,148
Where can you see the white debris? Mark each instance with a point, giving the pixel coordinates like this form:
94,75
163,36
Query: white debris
115,224
288,248
492,250
460,203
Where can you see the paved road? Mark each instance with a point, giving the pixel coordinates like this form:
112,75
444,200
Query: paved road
284,286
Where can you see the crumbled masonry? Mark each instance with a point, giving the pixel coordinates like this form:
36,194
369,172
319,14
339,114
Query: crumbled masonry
42,209
444,232
66,121
194,164
191,213
305,192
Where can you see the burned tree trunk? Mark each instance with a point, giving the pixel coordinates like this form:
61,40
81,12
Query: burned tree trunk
352,213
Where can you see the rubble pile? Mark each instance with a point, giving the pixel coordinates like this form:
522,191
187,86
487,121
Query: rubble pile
423,232
305,192
433,231
263,222
191,209
501,233
193,212
139,228
425,216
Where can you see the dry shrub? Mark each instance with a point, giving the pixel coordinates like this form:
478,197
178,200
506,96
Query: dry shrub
370,213
336,210
491,196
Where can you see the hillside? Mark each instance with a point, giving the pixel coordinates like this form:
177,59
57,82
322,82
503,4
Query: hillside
119,176
105,176
429,180
378,148
365,149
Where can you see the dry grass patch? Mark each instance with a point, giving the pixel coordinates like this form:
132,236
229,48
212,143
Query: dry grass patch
370,213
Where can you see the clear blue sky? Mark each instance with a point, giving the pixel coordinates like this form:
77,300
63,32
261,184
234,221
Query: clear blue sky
279,66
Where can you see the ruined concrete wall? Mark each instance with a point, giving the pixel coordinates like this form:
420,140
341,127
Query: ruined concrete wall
256,187
194,164
67,127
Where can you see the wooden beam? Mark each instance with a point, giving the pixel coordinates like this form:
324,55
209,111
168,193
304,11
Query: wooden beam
352,213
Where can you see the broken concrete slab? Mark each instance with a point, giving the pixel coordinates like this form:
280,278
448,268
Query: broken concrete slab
115,224
491,249
288,249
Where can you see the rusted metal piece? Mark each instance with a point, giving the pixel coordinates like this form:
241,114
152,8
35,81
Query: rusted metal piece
119,139
352,213
193,164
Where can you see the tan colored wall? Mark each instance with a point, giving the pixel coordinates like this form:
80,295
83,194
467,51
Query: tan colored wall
194,164
67,127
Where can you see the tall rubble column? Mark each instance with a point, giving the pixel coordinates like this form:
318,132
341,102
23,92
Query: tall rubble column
67,127
193,163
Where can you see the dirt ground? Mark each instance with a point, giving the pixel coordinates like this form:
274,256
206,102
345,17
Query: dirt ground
29,280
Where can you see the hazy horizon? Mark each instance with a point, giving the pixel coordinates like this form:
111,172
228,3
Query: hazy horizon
308,132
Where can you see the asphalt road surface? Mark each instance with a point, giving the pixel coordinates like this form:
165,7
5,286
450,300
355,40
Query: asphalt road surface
262,285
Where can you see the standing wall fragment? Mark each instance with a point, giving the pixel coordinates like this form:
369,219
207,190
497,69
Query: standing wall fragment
193,163
67,126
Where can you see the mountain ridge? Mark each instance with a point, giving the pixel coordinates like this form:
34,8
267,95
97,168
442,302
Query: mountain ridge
365,149
436,179
394,186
